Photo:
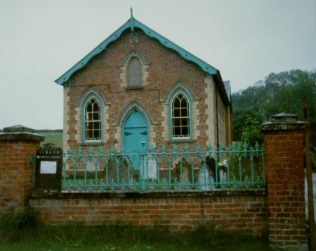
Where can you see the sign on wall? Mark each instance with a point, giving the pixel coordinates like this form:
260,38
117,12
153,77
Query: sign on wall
48,168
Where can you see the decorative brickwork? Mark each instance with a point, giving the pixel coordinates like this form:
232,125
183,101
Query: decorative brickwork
66,118
196,121
123,75
163,69
284,141
16,145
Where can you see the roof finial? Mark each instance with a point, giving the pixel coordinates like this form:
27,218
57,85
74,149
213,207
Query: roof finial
131,21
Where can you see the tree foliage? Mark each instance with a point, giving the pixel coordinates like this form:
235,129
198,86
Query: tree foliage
279,92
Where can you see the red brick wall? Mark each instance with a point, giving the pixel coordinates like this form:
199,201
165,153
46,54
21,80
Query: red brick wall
15,173
285,179
245,211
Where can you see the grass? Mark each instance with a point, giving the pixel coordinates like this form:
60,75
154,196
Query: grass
80,237
23,230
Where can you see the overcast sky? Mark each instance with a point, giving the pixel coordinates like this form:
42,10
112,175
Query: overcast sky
245,39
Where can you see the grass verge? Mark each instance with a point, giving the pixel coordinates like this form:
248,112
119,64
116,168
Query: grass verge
23,231
81,237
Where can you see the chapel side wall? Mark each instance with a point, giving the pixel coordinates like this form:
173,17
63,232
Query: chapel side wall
211,111
221,116
164,69
229,125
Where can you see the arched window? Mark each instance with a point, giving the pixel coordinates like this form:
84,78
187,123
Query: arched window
92,120
180,116
134,73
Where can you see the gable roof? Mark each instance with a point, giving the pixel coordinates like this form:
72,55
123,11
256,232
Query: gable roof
132,23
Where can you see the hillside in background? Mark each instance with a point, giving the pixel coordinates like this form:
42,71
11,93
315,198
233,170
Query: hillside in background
52,136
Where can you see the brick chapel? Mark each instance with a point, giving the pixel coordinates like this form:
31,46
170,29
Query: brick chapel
137,89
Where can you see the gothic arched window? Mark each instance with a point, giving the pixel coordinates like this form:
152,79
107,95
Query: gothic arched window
180,116
92,120
134,73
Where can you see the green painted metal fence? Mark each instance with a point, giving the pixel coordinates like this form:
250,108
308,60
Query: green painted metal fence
164,169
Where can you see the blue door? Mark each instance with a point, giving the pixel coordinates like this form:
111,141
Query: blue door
135,137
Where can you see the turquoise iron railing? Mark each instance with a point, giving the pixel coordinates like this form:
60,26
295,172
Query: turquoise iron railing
164,169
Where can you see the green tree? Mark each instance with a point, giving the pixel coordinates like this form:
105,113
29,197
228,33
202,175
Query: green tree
288,91
251,131
279,92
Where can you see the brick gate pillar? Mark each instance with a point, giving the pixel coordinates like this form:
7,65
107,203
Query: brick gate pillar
284,143
17,144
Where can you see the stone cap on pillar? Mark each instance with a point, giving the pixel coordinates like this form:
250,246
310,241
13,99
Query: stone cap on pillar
20,132
284,122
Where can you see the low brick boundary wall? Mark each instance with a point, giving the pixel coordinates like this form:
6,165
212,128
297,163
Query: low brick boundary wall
236,210
278,211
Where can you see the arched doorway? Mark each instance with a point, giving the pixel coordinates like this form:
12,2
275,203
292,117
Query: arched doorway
135,136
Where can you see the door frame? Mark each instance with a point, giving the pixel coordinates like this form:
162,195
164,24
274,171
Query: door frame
127,115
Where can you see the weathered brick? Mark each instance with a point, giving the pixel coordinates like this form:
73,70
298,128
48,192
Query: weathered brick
16,181
178,214
163,69
285,185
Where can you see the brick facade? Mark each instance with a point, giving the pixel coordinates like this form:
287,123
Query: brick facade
163,71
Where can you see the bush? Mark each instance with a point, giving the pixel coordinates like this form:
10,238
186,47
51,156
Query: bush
26,218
